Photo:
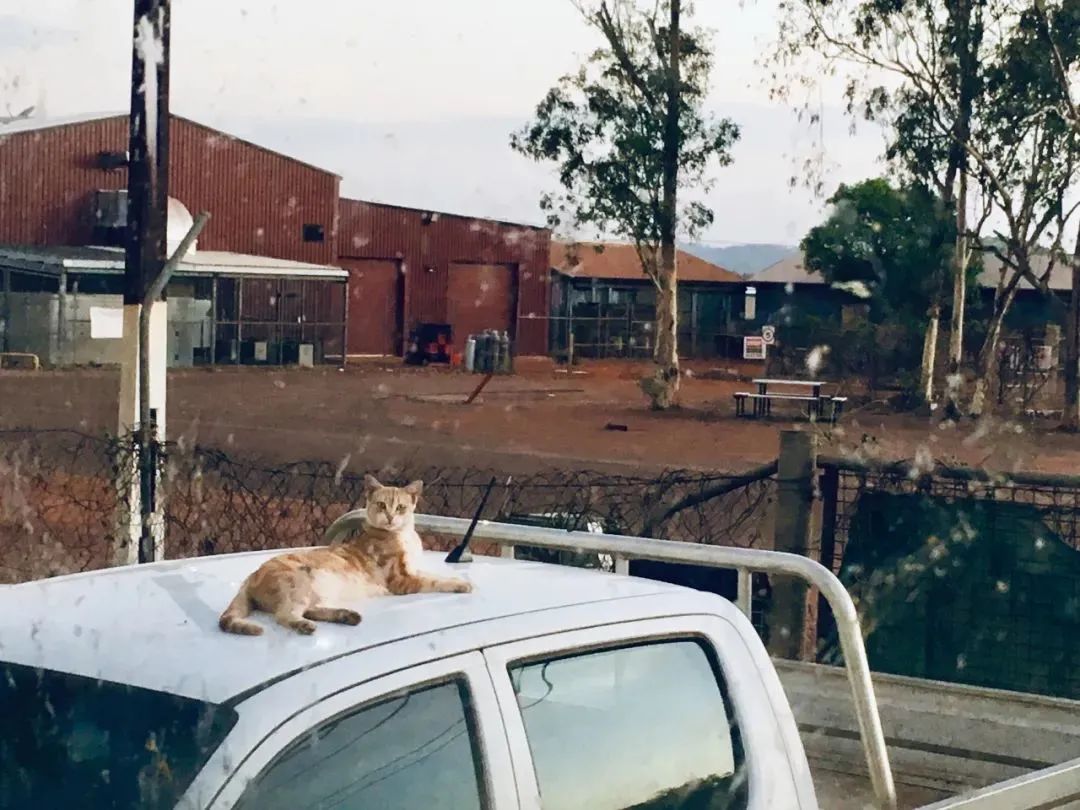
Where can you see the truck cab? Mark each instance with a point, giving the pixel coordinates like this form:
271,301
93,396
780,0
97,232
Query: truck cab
546,687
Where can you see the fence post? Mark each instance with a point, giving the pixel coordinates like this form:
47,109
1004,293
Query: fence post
829,483
792,625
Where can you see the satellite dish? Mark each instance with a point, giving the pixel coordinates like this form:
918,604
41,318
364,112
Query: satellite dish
177,223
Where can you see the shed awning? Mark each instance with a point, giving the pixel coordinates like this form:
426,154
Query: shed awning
110,261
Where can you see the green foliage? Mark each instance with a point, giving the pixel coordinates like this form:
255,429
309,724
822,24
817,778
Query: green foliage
973,86
604,126
890,245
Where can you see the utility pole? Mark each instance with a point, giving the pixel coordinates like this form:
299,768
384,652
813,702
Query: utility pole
140,534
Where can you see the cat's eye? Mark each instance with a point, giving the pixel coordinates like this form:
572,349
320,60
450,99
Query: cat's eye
401,509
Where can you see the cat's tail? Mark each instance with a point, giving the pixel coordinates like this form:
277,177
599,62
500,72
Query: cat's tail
345,526
234,619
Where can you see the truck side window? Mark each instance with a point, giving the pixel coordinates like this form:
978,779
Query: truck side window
416,749
647,726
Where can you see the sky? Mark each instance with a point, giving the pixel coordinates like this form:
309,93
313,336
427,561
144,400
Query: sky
412,102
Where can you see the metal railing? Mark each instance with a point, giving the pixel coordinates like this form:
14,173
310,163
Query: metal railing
744,561
1058,786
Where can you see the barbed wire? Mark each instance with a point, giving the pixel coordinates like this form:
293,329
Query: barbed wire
62,494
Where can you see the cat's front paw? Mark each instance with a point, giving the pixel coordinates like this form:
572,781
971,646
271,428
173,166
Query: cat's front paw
459,586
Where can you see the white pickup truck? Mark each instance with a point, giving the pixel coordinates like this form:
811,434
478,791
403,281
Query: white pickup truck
547,687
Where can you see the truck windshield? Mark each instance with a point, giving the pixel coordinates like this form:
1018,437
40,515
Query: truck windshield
72,741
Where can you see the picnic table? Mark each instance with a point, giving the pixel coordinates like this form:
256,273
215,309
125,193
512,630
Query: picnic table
762,400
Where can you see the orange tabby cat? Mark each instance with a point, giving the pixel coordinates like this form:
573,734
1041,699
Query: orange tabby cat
298,589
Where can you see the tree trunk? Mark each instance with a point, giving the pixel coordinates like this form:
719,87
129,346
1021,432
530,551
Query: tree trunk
929,355
956,327
986,367
1071,347
663,386
965,41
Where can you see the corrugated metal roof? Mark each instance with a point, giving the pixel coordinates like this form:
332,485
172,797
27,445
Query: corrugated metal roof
41,124
788,270
37,124
110,261
791,271
1060,276
619,261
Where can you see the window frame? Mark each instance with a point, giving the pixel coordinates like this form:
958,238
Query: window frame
745,694
496,784
313,233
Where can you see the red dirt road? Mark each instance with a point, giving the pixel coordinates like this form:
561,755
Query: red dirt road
381,417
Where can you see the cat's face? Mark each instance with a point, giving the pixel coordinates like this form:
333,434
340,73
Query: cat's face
391,508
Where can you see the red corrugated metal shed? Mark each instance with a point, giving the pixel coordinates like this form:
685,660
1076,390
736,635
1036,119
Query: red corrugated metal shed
429,243
259,200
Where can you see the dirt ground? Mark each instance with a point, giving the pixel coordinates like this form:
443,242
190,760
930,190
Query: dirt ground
392,415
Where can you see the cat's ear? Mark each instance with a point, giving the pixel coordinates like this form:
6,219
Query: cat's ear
371,483
414,489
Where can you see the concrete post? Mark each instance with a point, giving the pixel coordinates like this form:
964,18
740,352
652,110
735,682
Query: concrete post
63,333
5,313
126,542
213,320
792,619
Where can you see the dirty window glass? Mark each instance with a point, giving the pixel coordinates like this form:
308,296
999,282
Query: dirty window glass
417,750
69,741
638,727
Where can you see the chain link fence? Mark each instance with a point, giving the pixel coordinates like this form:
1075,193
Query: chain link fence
61,493
960,574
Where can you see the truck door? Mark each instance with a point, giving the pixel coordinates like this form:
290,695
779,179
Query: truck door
660,713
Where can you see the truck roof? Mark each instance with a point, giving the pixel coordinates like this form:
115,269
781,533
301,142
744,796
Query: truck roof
155,626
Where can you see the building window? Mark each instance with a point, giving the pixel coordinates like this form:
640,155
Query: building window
313,233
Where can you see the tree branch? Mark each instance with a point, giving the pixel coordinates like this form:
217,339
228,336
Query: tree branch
612,32
1059,64
695,499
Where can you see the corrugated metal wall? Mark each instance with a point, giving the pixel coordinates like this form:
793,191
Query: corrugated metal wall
374,231
259,200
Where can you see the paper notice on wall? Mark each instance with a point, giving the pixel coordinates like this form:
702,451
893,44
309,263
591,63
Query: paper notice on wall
106,322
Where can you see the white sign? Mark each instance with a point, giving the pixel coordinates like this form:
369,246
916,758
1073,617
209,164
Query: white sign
106,323
768,334
1044,357
750,304
753,348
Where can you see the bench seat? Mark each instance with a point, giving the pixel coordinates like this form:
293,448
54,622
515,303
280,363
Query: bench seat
741,397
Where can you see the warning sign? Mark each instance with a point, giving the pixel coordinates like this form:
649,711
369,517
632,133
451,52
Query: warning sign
753,348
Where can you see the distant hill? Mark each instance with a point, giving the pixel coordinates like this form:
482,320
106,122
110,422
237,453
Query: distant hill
742,259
